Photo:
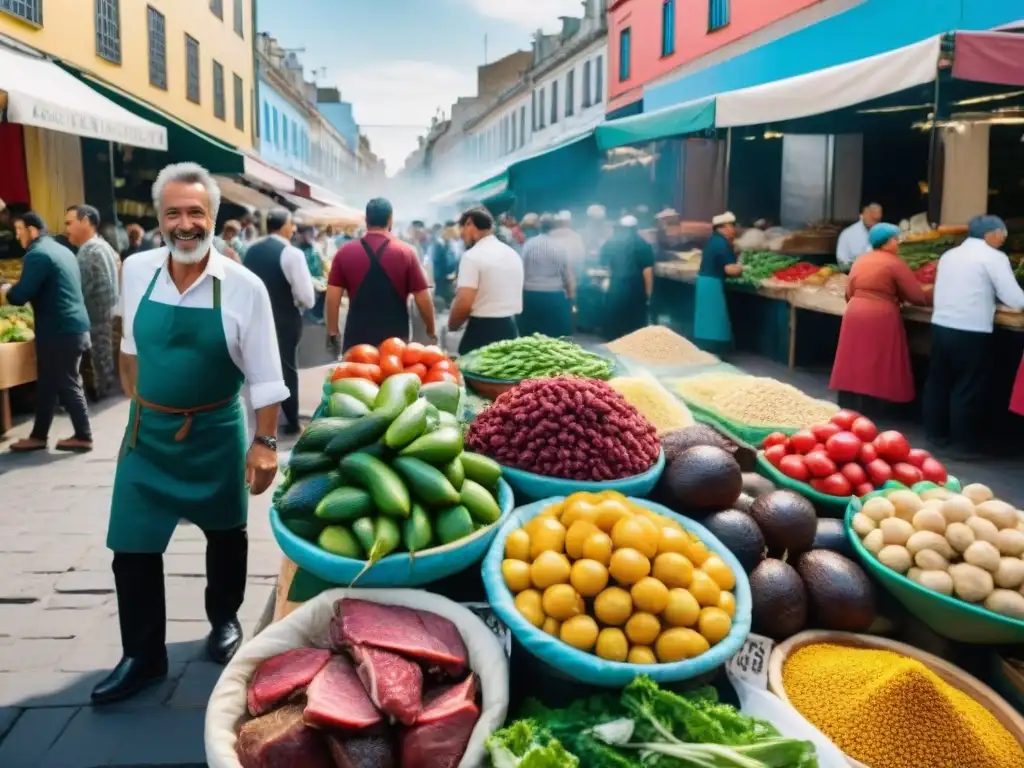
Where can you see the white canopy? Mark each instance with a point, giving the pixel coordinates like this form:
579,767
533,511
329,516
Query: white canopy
41,94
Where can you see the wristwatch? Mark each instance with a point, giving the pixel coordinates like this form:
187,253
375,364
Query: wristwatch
266,441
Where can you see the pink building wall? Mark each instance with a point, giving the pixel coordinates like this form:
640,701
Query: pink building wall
692,39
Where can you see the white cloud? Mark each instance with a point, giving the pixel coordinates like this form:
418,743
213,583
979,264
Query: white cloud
400,98
529,14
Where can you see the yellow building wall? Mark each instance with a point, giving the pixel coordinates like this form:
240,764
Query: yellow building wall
68,32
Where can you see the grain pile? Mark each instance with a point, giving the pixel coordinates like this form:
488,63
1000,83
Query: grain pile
657,345
654,402
755,400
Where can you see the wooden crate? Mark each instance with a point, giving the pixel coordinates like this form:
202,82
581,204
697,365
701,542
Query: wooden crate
17,367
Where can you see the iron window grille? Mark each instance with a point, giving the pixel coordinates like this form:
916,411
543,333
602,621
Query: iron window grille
219,109
29,10
156,27
192,90
108,30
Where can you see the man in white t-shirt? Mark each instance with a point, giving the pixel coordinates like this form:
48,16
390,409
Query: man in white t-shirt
490,285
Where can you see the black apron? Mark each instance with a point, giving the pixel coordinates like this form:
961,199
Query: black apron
481,331
376,312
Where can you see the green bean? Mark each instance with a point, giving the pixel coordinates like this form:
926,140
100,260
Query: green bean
536,356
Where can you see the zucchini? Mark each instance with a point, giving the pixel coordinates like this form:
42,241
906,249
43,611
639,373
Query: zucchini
348,406
428,484
357,434
319,433
396,393
387,490
338,540
361,389
343,505
438,447
307,462
304,529
453,524
417,533
363,530
302,497
410,424
449,420
481,469
386,538
480,503
433,418
443,394
455,472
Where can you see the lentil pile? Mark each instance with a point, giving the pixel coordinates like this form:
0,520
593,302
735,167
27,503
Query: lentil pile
755,400
888,711
534,357
657,345
654,402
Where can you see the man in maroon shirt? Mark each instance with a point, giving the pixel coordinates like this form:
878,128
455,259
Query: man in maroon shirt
379,272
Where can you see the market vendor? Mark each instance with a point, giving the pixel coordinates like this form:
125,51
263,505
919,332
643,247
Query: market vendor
444,263
873,359
197,327
712,328
971,279
854,241
630,262
549,285
530,226
489,292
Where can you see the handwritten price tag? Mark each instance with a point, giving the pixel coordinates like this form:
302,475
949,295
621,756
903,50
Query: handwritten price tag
750,664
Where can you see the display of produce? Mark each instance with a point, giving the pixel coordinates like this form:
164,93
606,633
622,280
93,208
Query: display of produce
922,252
675,442
968,545
761,265
16,324
392,690
926,274
576,429
365,361
10,270
797,273
754,400
645,725
653,402
658,345
846,456
534,357
890,711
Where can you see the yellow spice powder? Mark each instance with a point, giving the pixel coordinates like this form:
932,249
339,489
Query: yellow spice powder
888,711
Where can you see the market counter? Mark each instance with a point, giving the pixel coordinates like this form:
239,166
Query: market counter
17,367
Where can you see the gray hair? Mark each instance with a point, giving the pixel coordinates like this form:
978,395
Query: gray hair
187,173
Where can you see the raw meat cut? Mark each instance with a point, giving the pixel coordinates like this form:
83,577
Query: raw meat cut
448,634
374,749
442,731
282,740
398,629
336,698
280,677
394,683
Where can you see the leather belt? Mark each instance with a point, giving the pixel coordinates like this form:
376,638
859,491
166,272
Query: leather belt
188,413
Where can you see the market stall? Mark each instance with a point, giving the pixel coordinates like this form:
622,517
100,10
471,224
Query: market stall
17,355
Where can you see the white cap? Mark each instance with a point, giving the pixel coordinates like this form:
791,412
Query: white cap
667,213
596,212
530,220
723,218
564,216
628,221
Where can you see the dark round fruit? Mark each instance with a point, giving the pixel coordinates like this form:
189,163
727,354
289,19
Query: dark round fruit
787,520
703,479
779,600
740,534
677,441
755,485
831,534
839,592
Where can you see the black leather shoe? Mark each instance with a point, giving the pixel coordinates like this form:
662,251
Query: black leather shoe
224,641
129,677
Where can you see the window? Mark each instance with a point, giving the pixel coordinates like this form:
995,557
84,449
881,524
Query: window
239,19
718,14
522,125
586,84
668,27
219,110
265,132
540,111
284,133
29,10
192,92
217,8
570,93
239,93
156,27
533,112
599,80
277,135
513,142
554,102
108,30
625,39
295,139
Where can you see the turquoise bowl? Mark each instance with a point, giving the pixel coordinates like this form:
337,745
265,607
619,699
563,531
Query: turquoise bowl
528,485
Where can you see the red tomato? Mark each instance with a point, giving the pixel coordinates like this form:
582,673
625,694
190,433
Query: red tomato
864,489
803,441
775,438
775,453
794,467
357,371
393,346
879,473
843,447
432,355
865,429
892,446
363,353
867,454
822,432
390,365
855,473
443,365
934,471
413,354
917,457
419,369
836,485
907,474
844,419
433,376
819,464
820,447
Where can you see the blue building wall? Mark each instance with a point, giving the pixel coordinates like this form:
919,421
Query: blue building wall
284,132
339,114
874,27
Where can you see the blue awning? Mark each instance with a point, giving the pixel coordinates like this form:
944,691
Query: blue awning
681,119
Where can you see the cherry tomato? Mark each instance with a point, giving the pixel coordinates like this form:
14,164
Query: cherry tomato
432,355
865,429
444,365
357,371
775,438
844,419
879,473
390,365
824,431
794,467
907,474
864,489
933,470
419,369
363,353
433,376
843,447
892,446
917,457
836,485
855,473
819,464
775,453
803,441
393,346
413,354
868,453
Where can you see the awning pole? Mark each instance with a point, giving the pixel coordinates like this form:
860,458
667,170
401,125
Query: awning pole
728,164
935,178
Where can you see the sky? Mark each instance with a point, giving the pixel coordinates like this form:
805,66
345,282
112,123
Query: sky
400,61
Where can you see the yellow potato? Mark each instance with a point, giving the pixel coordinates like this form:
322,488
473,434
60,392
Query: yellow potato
678,643
704,588
576,535
579,510
673,569
588,577
627,566
714,624
643,628
649,595
517,545
614,606
516,574
547,536
727,602
549,568
637,533
561,602
682,610
609,512
721,573
528,603
612,644
641,654
598,546
673,540
579,632
552,626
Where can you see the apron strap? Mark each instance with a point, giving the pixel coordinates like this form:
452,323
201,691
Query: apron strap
216,293
149,288
374,256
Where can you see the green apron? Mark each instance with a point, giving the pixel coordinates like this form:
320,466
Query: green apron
183,455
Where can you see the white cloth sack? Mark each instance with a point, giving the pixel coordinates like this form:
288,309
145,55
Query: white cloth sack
309,627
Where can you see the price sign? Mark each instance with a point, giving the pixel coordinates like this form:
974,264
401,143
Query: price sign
750,664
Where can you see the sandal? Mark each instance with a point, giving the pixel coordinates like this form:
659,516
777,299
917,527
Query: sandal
28,445
74,445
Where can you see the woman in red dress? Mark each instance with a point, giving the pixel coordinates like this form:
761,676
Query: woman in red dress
873,359
1017,398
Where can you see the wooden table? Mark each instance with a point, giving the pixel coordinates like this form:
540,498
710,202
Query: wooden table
17,367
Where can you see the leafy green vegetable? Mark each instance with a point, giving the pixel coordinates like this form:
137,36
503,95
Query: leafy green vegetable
526,744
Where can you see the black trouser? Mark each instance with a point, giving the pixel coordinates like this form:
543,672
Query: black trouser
289,333
142,609
481,331
956,393
59,379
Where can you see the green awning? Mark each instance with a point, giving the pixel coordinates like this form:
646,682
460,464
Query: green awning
488,187
678,120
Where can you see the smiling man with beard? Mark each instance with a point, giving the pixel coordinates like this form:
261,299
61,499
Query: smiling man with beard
197,326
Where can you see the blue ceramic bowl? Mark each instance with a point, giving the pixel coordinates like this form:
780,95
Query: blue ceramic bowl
399,569
586,667
528,485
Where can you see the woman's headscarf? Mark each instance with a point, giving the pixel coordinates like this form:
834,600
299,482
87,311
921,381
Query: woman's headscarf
881,234
980,226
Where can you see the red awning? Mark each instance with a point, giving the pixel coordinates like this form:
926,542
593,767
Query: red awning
989,57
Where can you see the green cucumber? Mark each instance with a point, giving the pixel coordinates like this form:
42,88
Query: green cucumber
480,503
388,491
396,393
453,524
481,469
338,540
363,530
346,406
417,533
410,424
361,432
438,447
361,389
307,462
449,420
455,472
302,497
343,505
443,394
386,538
304,529
426,483
433,418
378,450
317,435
